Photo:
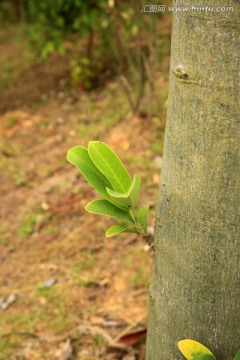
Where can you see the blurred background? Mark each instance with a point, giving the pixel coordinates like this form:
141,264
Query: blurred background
74,71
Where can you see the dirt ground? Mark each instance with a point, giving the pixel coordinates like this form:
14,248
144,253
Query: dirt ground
66,291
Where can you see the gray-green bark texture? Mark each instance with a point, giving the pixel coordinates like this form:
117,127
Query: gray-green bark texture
195,291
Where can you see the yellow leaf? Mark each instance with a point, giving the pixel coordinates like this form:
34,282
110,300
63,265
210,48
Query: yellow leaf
189,347
134,30
111,3
125,15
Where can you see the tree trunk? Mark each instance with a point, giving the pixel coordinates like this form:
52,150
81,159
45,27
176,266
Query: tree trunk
16,4
195,291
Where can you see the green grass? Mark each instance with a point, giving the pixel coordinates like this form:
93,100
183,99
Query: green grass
139,273
4,238
87,261
4,345
20,178
76,336
99,340
44,170
102,114
12,71
140,278
11,168
54,315
12,148
86,282
49,230
27,225
7,346
11,122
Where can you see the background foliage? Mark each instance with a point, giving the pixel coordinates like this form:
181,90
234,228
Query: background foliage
115,38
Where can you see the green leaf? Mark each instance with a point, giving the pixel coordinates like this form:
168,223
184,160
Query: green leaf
104,207
78,156
203,357
135,189
110,166
237,356
120,199
142,218
115,229
118,228
132,230
128,199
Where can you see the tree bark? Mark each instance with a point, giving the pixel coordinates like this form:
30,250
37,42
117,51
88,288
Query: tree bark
195,290
17,5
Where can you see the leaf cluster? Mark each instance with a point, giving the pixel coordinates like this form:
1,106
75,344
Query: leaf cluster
105,172
49,22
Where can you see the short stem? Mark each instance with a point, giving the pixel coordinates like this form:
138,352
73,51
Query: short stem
137,227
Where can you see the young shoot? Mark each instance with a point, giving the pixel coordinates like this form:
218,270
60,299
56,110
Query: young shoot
105,172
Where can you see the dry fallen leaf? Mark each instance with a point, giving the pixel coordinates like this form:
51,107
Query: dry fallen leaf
156,178
133,338
64,352
97,320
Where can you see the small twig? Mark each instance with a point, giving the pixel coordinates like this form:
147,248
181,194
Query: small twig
128,89
149,240
142,86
